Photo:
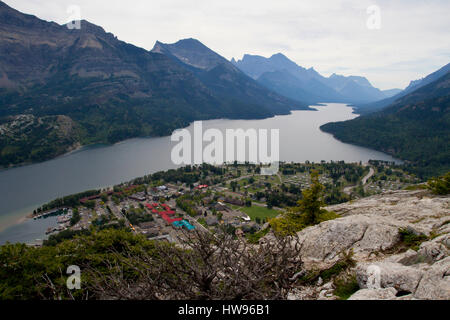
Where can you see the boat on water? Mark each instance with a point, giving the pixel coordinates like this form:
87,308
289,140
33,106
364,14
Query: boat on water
54,212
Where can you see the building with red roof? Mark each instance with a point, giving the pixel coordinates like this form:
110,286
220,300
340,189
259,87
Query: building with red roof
165,213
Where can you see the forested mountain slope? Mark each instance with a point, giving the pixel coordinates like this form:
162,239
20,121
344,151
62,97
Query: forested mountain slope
415,128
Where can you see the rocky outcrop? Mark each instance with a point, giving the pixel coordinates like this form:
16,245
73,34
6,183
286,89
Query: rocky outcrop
384,268
419,280
435,283
419,209
433,251
323,244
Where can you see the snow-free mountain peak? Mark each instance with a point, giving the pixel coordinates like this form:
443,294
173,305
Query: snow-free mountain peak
191,52
309,84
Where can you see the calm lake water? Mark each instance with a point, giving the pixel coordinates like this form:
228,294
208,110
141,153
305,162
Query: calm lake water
25,188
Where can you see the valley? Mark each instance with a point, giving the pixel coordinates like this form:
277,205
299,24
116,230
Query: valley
219,155
27,187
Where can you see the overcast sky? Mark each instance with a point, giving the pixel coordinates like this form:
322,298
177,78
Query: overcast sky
330,35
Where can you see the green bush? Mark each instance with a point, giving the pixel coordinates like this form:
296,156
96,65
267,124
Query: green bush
25,269
254,237
411,240
440,185
343,264
345,287
415,187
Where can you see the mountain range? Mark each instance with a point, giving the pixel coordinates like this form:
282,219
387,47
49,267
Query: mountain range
106,90
223,78
284,76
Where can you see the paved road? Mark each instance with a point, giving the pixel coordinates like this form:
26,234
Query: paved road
349,189
367,177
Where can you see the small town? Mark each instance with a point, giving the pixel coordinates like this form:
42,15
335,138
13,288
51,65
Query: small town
235,197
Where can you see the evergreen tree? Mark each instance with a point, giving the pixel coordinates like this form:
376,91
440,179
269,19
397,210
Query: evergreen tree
311,203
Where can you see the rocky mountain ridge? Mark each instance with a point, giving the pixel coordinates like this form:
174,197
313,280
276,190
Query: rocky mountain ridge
284,76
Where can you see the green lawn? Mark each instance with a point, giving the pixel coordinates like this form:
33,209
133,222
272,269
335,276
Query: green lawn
261,212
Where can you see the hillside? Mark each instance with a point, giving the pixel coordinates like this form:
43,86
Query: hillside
414,85
415,128
391,92
109,89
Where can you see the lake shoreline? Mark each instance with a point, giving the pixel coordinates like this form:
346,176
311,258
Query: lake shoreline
78,146
98,166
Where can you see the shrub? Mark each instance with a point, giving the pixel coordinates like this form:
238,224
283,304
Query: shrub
210,267
343,264
440,185
416,187
411,240
254,238
345,287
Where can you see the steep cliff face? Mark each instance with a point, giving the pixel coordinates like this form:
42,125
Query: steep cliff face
52,66
403,235
191,52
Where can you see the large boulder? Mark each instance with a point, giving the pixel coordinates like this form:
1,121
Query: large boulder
422,280
435,283
432,251
388,275
374,294
323,243
370,228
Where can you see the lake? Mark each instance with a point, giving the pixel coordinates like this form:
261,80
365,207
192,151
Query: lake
23,189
